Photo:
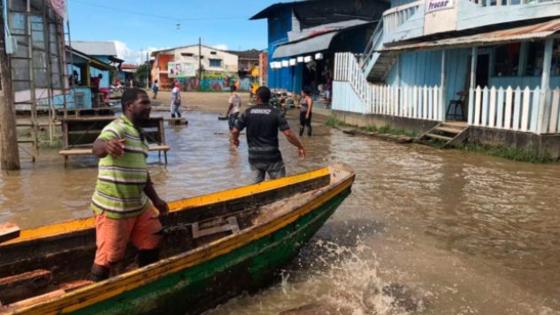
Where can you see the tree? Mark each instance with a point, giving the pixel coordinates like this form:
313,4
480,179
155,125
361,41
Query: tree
142,74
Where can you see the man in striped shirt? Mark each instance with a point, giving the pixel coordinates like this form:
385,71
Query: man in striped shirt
121,201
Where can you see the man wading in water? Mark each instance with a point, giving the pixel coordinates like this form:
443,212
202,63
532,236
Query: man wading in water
263,122
120,202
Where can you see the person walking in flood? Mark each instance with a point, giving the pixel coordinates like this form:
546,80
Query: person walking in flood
121,201
305,111
155,89
175,105
234,107
263,122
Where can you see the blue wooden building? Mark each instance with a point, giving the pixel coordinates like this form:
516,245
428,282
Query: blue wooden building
491,64
304,35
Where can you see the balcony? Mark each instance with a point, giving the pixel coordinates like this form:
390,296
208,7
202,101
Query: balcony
411,21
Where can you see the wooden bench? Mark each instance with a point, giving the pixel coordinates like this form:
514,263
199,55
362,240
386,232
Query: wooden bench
79,133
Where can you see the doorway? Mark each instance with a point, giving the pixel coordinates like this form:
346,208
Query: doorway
482,70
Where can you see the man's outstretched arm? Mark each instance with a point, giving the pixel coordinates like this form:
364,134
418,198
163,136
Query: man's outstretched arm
293,139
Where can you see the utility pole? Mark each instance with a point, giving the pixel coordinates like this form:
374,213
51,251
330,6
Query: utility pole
199,63
9,152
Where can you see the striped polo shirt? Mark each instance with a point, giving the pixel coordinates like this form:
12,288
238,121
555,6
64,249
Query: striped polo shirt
119,192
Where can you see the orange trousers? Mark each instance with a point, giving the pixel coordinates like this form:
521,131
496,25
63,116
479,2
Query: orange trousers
112,236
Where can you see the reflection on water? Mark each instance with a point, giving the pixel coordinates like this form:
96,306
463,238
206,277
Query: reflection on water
463,233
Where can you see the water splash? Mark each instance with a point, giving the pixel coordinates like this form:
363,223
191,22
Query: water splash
342,281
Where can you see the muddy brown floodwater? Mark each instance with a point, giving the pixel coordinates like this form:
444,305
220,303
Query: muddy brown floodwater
425,231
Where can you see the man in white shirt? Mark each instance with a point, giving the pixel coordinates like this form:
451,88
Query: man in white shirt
234,107
175,106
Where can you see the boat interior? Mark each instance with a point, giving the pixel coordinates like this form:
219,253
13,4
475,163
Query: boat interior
47,264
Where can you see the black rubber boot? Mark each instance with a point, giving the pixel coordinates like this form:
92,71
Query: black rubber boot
99,273
179,115
146,257
309,130
301,129
173,115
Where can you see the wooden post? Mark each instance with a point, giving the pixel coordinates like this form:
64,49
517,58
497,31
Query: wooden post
9,152
542,122
443,86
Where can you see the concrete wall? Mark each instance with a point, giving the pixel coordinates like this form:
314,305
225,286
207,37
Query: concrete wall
419,126
543,145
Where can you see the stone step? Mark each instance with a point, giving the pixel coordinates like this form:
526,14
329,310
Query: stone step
446,129
438,137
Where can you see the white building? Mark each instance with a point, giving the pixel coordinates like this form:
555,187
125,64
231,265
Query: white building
188,59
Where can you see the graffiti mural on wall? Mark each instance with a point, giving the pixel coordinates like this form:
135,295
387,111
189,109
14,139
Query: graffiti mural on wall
216,82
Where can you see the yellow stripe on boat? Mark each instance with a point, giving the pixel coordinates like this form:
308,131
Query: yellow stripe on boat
198,201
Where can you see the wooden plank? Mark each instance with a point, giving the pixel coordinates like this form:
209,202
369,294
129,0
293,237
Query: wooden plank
553,127
425,102
9,231
492,108
508,107
230,225
525,111
536,111
478,100
159,147
69,152
470,111
517,108
24,285
415,102
430,102
485,97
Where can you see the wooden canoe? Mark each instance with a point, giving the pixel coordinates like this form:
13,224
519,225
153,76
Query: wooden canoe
217,246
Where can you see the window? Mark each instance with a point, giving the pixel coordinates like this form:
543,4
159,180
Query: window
507,60
187,54
215,63
213,53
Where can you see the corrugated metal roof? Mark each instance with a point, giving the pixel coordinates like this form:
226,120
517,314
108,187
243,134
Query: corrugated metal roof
316,39
96,48
313,44
533,31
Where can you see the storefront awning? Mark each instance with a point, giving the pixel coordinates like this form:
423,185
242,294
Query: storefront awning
310,45
533,31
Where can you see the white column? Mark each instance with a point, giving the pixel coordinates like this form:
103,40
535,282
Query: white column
474,62
398,70
542,121
443,86
547,62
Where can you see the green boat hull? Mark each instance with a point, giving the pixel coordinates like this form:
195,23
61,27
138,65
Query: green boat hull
199,288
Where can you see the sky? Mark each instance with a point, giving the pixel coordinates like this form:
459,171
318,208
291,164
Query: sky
138,26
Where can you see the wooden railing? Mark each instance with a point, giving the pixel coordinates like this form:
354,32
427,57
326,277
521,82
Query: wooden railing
395,17
526,110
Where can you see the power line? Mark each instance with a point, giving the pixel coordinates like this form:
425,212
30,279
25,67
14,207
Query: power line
155,16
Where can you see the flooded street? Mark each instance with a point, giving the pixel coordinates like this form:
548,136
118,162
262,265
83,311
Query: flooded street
450,232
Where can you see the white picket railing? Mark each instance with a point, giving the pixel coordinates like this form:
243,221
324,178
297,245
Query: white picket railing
418,102
515,109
